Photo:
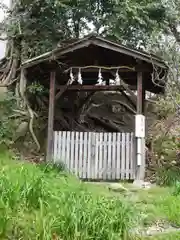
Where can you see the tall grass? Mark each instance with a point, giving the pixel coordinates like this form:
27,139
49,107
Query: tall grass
38,202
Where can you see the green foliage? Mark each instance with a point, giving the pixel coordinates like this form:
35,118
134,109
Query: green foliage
36,88
166,156
167,176
176,191
7,126
37,205
40,25
169,208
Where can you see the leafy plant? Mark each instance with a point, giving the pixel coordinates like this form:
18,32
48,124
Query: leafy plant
176,191
7,125
36,88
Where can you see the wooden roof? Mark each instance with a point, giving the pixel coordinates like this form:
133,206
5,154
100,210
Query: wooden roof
95,50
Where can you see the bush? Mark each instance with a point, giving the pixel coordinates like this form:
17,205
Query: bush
176,191
167,175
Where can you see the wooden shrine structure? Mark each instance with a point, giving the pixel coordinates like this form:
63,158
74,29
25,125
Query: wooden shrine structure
89,65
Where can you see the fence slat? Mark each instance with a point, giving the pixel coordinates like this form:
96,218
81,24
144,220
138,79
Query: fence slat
59,147
132,158
55,147
107,156
100,155
114,156
85,160
68,140
127,155
72,167
89,159
96,163
118,149
80,154
76,157
109,169
123,156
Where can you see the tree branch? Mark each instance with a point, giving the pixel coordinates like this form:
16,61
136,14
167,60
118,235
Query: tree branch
176,34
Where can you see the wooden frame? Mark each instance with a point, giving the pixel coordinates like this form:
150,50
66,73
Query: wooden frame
51,116
143,66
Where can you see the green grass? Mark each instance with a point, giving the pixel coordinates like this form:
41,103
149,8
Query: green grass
39,202
159,204
42,202
170,236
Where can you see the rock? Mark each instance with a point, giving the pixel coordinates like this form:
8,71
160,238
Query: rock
142,184
21,130
117,187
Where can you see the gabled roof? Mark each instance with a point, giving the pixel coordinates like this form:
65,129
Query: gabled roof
99,42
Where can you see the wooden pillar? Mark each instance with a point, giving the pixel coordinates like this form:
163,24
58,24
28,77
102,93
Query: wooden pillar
50,136
139,93
140,173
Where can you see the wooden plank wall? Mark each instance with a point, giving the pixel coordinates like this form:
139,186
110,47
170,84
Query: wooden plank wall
96,156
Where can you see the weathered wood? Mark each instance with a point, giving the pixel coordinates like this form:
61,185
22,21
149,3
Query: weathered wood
96,155
114,157
51,116
95,68
118,162
105,161
59,146
62,89
123,146
139,93
96,164
63,156
56,147
127,155
76,160
129,91
132,155
90,88
81,155
72,152
101,144
89,145
68,149
85,156
109,157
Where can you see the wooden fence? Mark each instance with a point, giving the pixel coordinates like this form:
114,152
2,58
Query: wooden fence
95,156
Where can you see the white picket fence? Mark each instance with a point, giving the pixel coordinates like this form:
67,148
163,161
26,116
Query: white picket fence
96,156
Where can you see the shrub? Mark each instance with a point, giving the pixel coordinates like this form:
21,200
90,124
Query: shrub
176,191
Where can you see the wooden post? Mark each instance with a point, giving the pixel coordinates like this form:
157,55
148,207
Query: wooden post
51,117
140,174
139,93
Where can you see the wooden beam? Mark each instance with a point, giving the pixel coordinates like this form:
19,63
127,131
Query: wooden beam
125,87
95,68
130,92
51,117
62,89
92,88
